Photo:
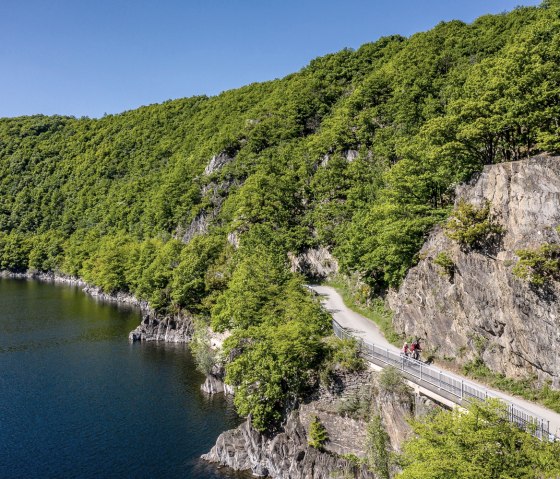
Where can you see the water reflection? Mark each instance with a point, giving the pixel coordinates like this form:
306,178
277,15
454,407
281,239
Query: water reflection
77,400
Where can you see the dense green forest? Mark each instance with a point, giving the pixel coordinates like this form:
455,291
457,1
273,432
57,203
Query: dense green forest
359,152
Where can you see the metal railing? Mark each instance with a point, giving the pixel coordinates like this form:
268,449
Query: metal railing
459,391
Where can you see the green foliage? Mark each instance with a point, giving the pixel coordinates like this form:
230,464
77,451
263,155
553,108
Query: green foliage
538,266
276,366
14,251
204,356
391,381
257,284
472,227
341,355
479,443
278,348
528,388
444,261
318,435
197,271
378,448
47,252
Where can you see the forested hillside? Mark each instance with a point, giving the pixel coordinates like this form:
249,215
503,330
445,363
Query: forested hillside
194,204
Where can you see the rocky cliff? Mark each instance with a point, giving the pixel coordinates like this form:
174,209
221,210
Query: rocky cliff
342,409
177,328
482,309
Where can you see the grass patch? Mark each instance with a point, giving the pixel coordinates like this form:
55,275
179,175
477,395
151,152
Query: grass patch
525,388
354,298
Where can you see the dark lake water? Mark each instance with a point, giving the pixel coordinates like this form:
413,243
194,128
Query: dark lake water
77,400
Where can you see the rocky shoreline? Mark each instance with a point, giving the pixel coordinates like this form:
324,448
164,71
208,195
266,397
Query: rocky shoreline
153,327
287,454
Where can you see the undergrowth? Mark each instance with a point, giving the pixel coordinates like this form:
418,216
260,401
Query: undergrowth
525,388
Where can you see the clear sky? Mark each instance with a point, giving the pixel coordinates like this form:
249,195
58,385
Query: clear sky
90,57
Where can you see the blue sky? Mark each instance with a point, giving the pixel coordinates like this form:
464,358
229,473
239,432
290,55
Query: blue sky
90,57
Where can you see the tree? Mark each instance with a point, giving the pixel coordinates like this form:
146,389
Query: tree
378,448
318,434
481,442
472,227
274,367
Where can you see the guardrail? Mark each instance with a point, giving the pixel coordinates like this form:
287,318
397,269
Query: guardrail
458,391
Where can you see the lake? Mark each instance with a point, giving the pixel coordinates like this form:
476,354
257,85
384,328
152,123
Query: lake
78,400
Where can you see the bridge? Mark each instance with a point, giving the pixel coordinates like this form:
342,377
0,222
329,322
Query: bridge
442,386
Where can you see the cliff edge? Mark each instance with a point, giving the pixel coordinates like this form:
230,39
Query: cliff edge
482,310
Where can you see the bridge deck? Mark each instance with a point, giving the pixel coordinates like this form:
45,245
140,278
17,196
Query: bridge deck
443,385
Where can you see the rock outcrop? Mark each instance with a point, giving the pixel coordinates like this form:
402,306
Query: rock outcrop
215,382
172,329
217,163
482,309
288,455
285,455
316,263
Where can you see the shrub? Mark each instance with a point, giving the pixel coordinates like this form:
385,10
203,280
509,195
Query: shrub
391,380
480,443
472,227
318,435
538,266
204,355
341,355
378,448
443,260
345,354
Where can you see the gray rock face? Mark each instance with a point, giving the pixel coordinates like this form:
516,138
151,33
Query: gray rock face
212,385
172,329
198,226
484,309
217,163
314,263
287,454
215,383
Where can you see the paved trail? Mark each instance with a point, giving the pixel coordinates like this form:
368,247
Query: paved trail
363,327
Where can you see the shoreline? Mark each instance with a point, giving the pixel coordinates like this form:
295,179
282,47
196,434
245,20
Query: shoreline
93,291
153,326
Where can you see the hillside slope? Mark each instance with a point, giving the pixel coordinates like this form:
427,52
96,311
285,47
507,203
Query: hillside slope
193,205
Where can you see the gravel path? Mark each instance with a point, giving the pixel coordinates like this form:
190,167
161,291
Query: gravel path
363,327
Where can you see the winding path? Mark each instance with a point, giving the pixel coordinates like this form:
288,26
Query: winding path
362,327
